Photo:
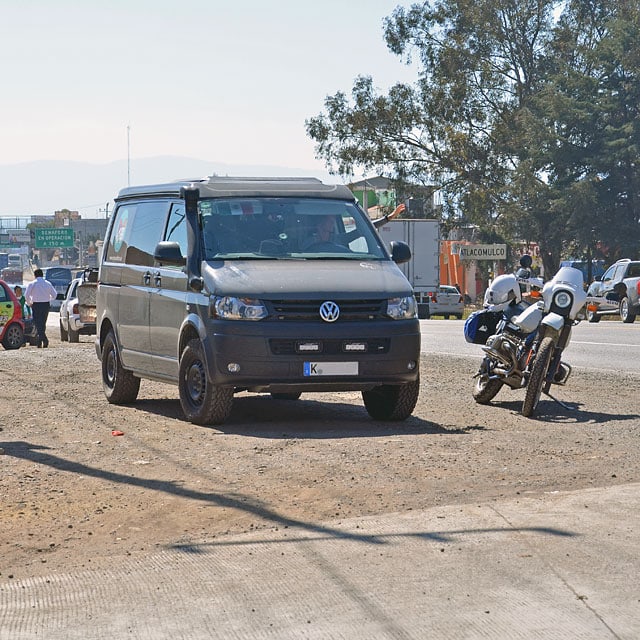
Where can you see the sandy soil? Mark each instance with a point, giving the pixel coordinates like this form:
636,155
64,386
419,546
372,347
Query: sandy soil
73,494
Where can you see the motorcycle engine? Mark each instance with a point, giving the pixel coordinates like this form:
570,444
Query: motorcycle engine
502,348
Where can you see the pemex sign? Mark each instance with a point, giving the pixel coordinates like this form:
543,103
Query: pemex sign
481,251
54,238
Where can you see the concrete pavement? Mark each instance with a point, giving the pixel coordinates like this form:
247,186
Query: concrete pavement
563,565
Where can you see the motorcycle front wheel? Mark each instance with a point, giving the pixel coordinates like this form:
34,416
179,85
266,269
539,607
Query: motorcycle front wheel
485,388
537,378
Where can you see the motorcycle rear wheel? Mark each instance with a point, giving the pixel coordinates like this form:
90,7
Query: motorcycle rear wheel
537,378
485,389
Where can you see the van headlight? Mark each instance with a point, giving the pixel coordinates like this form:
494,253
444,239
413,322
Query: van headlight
233,308
402,308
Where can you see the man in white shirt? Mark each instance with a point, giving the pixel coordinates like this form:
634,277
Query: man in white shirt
38,296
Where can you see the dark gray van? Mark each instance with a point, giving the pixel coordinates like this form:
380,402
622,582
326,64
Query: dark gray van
276,285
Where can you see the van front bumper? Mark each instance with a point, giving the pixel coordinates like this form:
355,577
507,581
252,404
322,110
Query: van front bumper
347,358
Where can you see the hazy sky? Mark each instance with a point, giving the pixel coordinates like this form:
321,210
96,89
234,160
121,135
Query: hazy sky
227,81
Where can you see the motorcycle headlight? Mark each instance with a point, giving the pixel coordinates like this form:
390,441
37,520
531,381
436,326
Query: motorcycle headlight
402,308
232,308
562,299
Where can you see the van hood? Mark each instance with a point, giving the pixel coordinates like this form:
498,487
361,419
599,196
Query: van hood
291,279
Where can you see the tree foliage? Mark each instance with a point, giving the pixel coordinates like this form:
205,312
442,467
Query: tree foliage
524,113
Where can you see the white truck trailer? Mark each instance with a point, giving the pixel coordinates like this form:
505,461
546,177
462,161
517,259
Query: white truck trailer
423,270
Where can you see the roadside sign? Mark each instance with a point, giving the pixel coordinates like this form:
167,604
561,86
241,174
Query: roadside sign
54,238
481,251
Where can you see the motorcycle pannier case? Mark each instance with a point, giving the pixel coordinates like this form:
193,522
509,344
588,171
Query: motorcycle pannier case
480,325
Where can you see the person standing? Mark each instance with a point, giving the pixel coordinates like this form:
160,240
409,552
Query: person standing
39,295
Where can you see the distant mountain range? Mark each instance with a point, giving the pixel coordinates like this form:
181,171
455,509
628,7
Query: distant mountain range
45,186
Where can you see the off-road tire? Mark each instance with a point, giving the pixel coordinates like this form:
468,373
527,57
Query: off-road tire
13,337
484,388
392,402
64,336
537,378
120,386
625,315
201,401
74,336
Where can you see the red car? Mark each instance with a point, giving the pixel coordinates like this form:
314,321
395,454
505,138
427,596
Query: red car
11,323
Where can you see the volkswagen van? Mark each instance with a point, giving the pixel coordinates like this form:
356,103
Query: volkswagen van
221,285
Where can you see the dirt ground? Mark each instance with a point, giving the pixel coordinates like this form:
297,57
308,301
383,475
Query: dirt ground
73,494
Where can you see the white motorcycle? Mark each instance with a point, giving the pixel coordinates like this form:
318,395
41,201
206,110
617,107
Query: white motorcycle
562,306
524,332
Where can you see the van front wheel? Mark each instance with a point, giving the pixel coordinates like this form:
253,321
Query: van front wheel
201,401
392,402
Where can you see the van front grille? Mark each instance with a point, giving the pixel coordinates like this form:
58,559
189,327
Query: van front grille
309,310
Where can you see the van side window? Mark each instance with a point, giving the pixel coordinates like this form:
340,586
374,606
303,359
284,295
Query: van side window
137,229
146,232
177,227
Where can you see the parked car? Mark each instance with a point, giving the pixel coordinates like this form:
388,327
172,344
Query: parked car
70,324
616,293
60,278
11,323
447,301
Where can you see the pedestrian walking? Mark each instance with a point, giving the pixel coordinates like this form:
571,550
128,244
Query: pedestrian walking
39,294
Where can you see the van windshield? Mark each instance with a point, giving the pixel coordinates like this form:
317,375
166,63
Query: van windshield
299,228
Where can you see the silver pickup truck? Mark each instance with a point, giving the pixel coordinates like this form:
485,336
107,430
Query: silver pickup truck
616,293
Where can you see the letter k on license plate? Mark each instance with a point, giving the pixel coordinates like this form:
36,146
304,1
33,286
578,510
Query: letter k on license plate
330,368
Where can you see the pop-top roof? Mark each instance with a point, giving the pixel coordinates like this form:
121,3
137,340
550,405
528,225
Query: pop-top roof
224,187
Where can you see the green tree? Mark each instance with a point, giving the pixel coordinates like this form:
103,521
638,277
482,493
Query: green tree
502,117
592,102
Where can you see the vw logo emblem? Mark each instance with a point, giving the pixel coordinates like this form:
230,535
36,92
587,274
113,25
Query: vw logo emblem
329,311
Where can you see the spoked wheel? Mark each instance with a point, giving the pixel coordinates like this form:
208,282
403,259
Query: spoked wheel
485,388
201,401
13,337
537,378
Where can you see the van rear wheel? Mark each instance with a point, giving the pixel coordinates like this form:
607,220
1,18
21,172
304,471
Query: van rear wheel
120,386
392,402
201,401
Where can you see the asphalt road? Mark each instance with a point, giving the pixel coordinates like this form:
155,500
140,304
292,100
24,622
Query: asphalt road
609,345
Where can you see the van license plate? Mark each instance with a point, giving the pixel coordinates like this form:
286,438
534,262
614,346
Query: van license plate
330,368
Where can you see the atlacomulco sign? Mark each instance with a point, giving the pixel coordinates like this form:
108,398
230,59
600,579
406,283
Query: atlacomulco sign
482,251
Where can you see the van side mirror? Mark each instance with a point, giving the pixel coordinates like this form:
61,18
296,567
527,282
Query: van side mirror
169,253
400,252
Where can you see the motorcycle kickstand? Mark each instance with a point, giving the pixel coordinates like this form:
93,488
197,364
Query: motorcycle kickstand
562,404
